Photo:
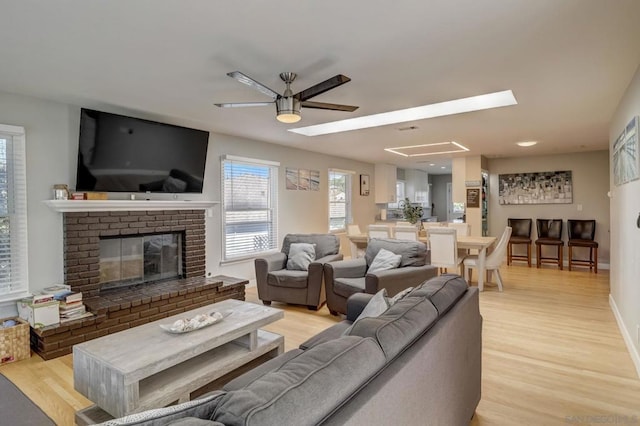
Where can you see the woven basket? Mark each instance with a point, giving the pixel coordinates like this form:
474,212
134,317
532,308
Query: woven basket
14,341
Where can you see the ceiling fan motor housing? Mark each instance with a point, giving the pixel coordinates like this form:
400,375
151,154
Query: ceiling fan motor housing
288,105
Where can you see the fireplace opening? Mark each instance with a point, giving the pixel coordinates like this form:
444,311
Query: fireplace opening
127,261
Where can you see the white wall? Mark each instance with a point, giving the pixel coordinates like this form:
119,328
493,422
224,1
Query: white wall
625,234
51,142
590,173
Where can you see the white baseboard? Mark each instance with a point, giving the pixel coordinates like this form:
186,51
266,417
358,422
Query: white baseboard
633,351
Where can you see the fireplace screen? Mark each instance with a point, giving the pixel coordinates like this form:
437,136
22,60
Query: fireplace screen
135,260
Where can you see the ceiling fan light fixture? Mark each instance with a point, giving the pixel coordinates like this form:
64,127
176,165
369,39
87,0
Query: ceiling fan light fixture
288,110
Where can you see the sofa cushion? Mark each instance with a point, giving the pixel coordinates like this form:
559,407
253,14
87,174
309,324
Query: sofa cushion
398,327
287,278
262,369
345,287
194,421
384,260
414,253
307,388
202,408
300,256
333,332
443,291
326,244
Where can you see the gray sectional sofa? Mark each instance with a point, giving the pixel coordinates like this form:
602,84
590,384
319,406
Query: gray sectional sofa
418,363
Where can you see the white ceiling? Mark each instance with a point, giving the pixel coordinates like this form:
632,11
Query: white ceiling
568,63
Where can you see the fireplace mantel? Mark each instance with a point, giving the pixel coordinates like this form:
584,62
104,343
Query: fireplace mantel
64,206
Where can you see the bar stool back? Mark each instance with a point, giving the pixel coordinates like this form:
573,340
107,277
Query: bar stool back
549,234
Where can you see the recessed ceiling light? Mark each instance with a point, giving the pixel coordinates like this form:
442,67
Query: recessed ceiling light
428,149
432,164
457,106
442,167
526,143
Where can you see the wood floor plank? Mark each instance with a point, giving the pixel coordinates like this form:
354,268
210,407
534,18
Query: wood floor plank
552,353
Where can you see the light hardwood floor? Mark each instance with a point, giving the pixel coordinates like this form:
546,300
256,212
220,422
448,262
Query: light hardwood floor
552,354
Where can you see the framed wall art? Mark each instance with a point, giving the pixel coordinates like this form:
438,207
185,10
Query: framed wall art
364,185
626,165
536,188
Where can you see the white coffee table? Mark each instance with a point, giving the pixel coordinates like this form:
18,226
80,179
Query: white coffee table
147,367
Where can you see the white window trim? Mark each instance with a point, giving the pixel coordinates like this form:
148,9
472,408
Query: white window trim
348,202
19,223
243,258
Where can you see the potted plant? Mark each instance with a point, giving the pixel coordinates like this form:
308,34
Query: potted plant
411,213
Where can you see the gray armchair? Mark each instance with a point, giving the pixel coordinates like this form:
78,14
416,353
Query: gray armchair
277,283
347,277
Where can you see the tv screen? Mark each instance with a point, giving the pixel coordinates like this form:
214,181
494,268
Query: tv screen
126,154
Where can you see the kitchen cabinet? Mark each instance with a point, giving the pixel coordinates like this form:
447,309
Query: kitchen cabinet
417,186
385,183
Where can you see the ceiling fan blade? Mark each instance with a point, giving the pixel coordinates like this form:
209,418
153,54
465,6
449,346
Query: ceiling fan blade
320,88
323,105
243,104
244,79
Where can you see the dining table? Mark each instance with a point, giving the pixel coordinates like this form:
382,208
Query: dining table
466,242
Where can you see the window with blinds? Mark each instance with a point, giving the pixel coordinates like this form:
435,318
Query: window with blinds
250,206
339,200
13,213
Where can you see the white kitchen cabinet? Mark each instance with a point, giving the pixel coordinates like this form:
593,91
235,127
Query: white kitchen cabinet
417,186
385,183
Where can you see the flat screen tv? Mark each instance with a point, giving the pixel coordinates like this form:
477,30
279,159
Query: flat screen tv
125,154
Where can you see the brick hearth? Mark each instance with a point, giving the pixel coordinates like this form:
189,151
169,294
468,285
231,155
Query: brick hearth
119,309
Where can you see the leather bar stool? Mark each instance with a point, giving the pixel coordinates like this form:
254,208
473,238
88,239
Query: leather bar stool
549,234
521,234
582,234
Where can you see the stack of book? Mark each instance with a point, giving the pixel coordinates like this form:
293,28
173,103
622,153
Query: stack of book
71,306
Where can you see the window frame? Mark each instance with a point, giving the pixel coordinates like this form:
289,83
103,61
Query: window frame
273,168
16,213
348,198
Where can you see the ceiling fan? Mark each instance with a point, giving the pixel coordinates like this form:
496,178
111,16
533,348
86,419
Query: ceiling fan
288,105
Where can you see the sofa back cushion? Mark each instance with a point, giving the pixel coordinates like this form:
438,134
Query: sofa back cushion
443,291
398,327
326,244
414,314
414,253
307,388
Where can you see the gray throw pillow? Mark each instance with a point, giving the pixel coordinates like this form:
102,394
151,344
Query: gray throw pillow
399,296
377,305
300,256
384,260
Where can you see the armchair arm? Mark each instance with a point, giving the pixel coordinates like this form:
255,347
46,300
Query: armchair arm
350,268
264,265
355,305
396,280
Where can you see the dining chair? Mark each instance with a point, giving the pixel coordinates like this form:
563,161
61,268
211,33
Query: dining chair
403,223
493,261
379,231
406,233
521,234
549,234
355,250
462,229
429,225
444,248
582,234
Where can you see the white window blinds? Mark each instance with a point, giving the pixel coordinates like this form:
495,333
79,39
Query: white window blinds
250,206
339,200
13,213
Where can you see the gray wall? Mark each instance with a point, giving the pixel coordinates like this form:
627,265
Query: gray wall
51,144
590,173
625,234
439,195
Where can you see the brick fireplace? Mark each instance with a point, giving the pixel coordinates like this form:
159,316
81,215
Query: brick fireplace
125,307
